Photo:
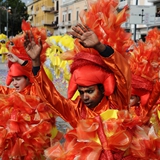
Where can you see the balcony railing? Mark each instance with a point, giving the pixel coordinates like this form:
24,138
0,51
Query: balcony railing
53,10
68,23
46,9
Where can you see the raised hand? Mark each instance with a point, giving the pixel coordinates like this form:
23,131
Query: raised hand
32,49
85,35
13,58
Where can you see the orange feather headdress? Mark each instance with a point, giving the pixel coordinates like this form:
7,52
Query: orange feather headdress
16,46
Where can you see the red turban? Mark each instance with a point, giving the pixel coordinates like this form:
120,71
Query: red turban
142,88
89,69
18,70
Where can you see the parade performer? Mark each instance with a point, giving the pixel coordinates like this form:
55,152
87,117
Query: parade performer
144,63
27,123
115,76
113,134
99,72
3,48
122,134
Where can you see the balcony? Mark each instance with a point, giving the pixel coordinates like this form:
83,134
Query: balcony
46,9
68,24
62,25
46,23
55,24
33,12
53,10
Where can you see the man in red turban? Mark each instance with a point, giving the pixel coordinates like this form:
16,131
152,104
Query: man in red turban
102,79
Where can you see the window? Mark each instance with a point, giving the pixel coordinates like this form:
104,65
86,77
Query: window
57,5
77,15
64,17
69,16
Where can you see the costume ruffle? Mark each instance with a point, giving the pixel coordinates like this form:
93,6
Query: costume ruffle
27,127
120,136
144,59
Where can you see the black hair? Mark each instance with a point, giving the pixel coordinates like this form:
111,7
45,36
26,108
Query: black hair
25,77
100,87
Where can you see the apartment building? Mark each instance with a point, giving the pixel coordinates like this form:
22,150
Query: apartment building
41,14
58,16
67,15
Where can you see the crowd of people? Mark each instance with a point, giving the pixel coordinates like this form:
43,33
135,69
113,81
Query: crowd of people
116,114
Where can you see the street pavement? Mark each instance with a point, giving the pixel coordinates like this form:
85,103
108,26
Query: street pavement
3,71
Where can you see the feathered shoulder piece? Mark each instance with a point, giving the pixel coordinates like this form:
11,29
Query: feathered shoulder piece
103,18
145,58
16,45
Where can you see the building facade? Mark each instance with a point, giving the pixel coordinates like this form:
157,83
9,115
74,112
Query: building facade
41,14
68,14
58,16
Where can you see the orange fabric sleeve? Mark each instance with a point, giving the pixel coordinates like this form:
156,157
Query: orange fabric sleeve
5,90
122,73
65,108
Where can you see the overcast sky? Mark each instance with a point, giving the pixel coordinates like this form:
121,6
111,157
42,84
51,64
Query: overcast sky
26,1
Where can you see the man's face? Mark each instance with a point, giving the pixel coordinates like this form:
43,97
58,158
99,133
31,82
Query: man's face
20,82
91,95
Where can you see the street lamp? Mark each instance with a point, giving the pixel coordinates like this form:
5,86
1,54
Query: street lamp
8,10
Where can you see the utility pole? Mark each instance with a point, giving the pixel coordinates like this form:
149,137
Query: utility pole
7,18
135,26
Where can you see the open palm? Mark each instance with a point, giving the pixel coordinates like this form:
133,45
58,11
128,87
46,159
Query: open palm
85,35
32,49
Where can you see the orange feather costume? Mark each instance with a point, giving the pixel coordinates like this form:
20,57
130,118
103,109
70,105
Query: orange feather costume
27,123
108,134
73,111
144,62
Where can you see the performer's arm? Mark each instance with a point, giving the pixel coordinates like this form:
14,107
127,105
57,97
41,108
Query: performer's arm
46,90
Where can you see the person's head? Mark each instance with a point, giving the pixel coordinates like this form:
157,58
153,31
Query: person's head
91,96
20,82
140,90
19,76
88,72
134,100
